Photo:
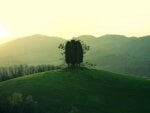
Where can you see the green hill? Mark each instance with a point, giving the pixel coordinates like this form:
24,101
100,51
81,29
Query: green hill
86,91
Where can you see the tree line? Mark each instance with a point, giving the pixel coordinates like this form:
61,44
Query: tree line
21,70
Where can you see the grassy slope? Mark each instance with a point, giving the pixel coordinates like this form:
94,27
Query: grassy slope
90,91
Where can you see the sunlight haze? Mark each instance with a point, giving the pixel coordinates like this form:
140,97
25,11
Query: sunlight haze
68,18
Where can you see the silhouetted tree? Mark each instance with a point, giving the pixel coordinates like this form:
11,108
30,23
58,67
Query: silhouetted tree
68,53
74,51
79,53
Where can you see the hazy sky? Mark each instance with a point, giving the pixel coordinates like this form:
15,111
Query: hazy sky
68,18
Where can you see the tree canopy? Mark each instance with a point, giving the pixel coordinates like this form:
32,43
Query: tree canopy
74,51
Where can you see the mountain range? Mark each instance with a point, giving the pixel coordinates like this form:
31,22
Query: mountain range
116,53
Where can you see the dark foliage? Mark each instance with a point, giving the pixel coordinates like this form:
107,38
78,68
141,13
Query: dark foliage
74,51
18,103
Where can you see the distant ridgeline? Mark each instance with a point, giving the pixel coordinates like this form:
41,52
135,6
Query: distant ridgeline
116,53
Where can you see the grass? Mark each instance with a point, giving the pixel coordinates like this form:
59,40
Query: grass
83,91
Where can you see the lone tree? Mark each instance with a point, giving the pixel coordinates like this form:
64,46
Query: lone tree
74,51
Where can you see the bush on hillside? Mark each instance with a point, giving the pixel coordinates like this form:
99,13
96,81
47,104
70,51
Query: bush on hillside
18,103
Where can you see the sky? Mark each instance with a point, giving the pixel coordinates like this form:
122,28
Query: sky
70,18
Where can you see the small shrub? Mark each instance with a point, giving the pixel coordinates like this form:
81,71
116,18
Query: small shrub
74,110
22,104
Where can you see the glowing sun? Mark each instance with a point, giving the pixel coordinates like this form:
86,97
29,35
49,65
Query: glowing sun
3,31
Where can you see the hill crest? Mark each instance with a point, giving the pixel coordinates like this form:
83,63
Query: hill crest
89,91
